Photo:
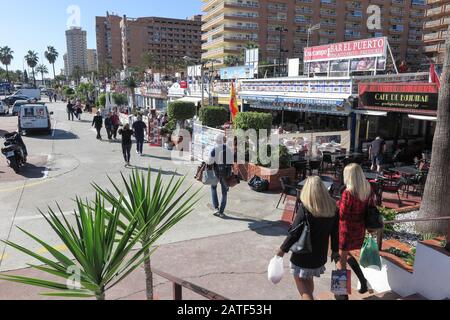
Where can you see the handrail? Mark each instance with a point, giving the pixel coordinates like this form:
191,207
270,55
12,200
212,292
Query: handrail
380,232
179,284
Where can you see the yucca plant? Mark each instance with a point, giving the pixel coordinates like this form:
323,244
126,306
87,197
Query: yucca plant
102,257
156,208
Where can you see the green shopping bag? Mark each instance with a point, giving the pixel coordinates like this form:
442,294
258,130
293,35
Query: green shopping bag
370,256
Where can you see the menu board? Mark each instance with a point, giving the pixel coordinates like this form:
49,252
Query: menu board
204,141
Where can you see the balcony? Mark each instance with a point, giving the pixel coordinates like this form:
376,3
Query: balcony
233,27
220,52
213,32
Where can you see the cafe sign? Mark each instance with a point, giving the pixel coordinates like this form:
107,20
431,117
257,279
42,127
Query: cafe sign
416,98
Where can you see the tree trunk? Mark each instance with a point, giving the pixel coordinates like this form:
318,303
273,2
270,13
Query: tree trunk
436,200
7,72
34,78
54,73
101,296
148,276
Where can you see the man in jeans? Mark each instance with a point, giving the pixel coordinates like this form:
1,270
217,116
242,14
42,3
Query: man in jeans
221,158
140,131
376,153
97,122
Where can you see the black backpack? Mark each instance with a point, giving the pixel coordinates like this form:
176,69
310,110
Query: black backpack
258,184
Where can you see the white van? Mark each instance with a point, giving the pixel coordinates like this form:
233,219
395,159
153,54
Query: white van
30,93
35,117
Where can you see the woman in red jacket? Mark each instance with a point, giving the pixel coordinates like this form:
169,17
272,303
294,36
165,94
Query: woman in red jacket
352,229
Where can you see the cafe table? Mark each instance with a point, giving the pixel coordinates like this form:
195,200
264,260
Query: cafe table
407,171
328,185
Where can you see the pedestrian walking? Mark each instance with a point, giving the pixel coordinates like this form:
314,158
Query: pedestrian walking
140,131
70,110
126,134
97,122
55,96
109,126
221,161
376,154
355,200
318,211
78,110
49,95
116,124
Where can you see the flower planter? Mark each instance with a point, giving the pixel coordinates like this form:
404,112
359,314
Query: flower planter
250,170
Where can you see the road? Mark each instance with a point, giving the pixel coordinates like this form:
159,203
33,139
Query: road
63,166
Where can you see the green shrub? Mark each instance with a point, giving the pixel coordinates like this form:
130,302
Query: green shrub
120,99
181,111
253,120
214,116
69,92
102,99
388,215
283,157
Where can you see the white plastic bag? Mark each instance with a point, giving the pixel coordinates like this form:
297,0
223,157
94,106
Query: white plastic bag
275,270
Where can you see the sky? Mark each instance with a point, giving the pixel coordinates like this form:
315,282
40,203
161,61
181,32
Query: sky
34,25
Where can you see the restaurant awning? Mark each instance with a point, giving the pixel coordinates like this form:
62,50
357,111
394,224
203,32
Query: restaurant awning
190,99
424,118
372,113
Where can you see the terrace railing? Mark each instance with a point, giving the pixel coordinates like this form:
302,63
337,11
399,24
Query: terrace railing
179,284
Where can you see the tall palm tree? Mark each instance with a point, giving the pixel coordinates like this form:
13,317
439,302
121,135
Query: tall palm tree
76,74
32,60
6,56
42,69
51,55
131,84
436,201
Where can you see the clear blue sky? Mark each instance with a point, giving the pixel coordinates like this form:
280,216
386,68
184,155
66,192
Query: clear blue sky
31,24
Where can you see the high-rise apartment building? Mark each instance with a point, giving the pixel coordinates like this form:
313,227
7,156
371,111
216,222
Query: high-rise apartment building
109,41
92,60
280,27
166,39
76,39
436,29
66,65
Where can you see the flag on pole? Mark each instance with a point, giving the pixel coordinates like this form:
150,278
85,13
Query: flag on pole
233,102
434,76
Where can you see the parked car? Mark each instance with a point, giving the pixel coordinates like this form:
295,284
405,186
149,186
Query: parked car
34,117
4,108
12,99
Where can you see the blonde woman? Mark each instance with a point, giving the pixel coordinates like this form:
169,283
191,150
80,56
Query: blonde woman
321,213
352,208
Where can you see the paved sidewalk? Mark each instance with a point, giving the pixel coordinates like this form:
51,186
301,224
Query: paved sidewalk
233,265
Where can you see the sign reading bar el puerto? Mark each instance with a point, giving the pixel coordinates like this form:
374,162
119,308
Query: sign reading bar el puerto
375,47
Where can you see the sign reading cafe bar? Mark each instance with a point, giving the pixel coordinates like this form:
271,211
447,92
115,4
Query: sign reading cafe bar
414,98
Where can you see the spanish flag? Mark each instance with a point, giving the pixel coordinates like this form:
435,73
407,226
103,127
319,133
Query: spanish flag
233,102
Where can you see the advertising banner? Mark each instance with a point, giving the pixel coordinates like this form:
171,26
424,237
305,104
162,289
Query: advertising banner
375,47
406,98
234,73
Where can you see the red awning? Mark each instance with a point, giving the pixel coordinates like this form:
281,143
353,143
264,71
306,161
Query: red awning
400,87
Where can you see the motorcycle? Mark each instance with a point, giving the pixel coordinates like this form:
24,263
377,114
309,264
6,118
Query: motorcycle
15,151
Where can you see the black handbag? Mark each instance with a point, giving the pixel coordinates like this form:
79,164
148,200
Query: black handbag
303,244
373,218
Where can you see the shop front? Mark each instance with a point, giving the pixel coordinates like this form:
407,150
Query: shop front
304,109
404,114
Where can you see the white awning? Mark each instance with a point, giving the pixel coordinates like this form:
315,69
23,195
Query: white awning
190,99
372,113
425,118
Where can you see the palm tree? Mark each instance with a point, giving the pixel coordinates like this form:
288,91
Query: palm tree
232,61
100,256
6,56
32,60
150,61
131,84
436,201
51,55
156,207
76,74
42,69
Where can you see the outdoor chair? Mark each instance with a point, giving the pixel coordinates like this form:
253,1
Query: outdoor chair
327,161
300,169
393,186
287,190
314,165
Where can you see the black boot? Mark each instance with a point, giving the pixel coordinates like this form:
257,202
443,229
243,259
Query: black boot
357,270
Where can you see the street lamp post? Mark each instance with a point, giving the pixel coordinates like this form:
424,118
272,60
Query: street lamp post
281,29
311,28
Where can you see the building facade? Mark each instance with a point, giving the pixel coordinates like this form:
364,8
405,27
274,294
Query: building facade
66,65
76,39
436,29
109,41
280,28
92,61
167,40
